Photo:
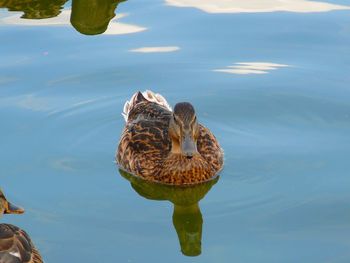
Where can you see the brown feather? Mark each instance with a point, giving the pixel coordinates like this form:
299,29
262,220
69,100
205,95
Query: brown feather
15,244
145,149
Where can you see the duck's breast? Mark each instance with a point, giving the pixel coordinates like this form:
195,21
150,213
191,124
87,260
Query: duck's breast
209,148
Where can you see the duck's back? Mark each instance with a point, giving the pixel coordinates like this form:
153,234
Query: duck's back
145,142
16,246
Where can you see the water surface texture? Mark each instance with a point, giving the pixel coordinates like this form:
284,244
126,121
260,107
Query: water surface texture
269,78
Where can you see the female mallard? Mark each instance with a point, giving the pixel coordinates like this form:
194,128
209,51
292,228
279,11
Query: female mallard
15,244
166,146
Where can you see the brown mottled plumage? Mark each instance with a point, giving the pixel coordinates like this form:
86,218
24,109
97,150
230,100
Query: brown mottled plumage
167,146
15,244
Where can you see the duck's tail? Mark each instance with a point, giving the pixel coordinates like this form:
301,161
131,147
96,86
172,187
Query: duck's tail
144,96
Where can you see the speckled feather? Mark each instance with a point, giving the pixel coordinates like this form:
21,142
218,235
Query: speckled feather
16,246
145,148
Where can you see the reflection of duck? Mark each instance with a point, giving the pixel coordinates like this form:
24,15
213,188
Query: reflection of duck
187,217
15,244
167,146
34,9
91,17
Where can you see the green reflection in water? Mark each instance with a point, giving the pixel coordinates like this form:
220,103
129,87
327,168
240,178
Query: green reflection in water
34,9
187,216
89,17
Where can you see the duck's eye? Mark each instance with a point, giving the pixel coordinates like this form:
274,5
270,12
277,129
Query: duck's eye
194,122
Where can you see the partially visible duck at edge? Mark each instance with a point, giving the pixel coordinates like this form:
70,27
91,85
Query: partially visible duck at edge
15,244
164,145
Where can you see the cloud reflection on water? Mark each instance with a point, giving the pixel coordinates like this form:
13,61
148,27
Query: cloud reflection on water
257,6
155,49
244,68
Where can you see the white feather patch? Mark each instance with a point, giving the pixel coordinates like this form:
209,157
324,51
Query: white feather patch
150,96
16,254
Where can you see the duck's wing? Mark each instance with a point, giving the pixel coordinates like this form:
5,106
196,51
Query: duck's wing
146,110
144,98
16,246
209,148
145,141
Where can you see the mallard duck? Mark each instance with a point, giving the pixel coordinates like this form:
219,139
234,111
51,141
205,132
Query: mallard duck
164,145
15,244
7,208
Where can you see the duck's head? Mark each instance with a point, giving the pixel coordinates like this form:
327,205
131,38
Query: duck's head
184,130
7,208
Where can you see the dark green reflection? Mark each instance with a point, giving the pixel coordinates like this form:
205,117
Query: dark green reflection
34,9
187,216
89,17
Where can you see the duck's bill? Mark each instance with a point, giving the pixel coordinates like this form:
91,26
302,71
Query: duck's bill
189,147
13,209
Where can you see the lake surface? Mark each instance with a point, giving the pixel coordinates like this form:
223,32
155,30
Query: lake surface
269,78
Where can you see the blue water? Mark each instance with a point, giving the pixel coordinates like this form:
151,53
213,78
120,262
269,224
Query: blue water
283,195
